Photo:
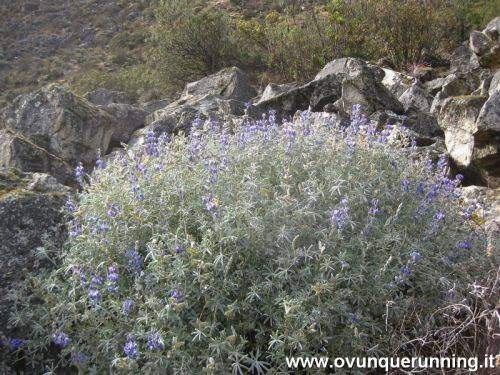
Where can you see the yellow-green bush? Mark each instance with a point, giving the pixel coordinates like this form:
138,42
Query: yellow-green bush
406,32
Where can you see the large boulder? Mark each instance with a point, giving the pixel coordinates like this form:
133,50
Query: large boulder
338,66
347,66
361,86
423,126
457,118
326,91
481,50
472,140
229,83
488,120
171,120
434,86
59,122
220,96
340,85
315,95
288,102
416,97
180,117
19,152
31,215
455,84
463,60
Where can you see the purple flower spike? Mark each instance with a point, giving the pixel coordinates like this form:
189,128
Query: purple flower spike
155,342
60,339
131,349
127,306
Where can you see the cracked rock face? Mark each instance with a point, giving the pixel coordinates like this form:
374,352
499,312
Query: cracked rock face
363,86
458,121
472,136
57,123
127,119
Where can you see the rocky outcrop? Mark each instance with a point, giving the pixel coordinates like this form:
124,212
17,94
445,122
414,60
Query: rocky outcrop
488,120
31,215
347,66
17,151
361,86
494,83
341,84
154,105
423,125
416,97
222,96
316,94
463,59
397,83
54,122
455,84
457,118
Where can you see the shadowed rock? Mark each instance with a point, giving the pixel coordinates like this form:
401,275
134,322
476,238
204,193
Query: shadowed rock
31,215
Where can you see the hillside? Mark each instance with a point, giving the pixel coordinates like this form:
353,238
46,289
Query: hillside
58,40
47,41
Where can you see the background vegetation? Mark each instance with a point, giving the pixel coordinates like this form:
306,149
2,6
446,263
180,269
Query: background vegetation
157,45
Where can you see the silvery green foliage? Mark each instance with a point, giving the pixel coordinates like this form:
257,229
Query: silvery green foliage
225,251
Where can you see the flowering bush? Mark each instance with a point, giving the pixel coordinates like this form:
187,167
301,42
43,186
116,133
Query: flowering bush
226,251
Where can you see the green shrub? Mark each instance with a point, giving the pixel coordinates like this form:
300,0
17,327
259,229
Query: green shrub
292,46
225,252
407,32
296,47
297,42
191,42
